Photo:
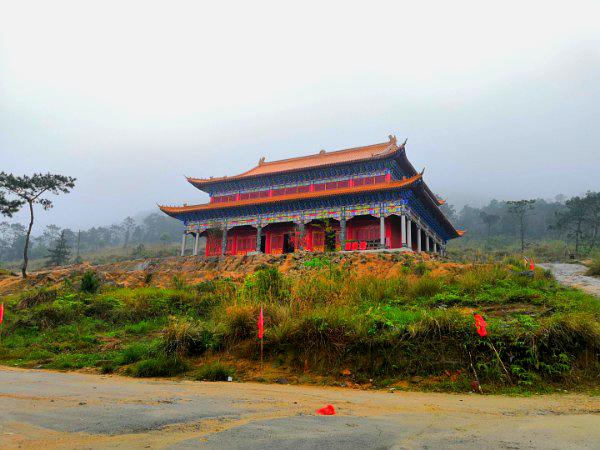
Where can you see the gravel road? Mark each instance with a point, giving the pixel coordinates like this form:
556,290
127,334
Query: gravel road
43,409
574,275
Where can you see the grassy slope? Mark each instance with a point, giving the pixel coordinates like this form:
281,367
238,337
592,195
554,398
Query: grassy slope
330,322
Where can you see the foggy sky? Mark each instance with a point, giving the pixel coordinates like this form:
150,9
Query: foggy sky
496,102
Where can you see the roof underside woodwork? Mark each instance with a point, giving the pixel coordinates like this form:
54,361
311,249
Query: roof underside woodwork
282,198
412,189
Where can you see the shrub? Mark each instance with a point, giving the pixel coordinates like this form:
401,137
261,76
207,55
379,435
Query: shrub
148,278
158,367
420,268
90,282
215,371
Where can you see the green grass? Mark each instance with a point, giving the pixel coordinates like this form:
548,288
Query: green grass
158,367
215,371
415,323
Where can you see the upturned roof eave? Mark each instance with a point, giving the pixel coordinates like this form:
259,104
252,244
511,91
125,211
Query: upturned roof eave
205,182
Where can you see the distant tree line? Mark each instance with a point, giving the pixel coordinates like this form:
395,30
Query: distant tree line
576,221
61,246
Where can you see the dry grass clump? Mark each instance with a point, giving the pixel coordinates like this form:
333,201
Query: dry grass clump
184,337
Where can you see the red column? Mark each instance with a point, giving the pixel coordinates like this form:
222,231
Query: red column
234,243
309,239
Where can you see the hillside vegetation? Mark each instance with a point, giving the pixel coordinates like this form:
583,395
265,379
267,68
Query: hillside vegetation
381,319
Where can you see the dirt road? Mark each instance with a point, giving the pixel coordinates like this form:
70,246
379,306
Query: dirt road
41,409
574,275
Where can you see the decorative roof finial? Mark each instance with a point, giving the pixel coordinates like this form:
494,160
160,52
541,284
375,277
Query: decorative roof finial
393,140
322,152
261,161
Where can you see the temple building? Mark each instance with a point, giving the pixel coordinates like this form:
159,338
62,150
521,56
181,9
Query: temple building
357,199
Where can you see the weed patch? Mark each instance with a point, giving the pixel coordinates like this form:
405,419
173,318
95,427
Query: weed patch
215,371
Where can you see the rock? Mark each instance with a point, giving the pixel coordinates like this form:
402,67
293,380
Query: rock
282,381
142,266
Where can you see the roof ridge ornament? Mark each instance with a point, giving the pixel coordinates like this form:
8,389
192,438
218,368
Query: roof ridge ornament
261,161
393,140
322,152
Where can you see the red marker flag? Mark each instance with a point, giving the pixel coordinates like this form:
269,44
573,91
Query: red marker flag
480,324
261,324
531,264
1,312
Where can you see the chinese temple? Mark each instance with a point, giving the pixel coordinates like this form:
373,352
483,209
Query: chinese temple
357,199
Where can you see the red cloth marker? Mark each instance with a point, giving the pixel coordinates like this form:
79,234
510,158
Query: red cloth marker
328,410
1,312
480,324
261,324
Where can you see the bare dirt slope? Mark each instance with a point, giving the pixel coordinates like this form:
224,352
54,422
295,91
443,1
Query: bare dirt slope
41,409
574,275
160,271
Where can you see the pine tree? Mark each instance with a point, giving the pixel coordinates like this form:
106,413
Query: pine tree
30,190
60,254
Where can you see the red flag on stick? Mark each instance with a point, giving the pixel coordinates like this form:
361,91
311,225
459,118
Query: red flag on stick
1,312
261,324
531,264
480,324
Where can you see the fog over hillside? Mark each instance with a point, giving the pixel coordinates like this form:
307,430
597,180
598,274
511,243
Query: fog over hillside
496,102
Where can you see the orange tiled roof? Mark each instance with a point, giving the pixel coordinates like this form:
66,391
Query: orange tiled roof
280,198
323,158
